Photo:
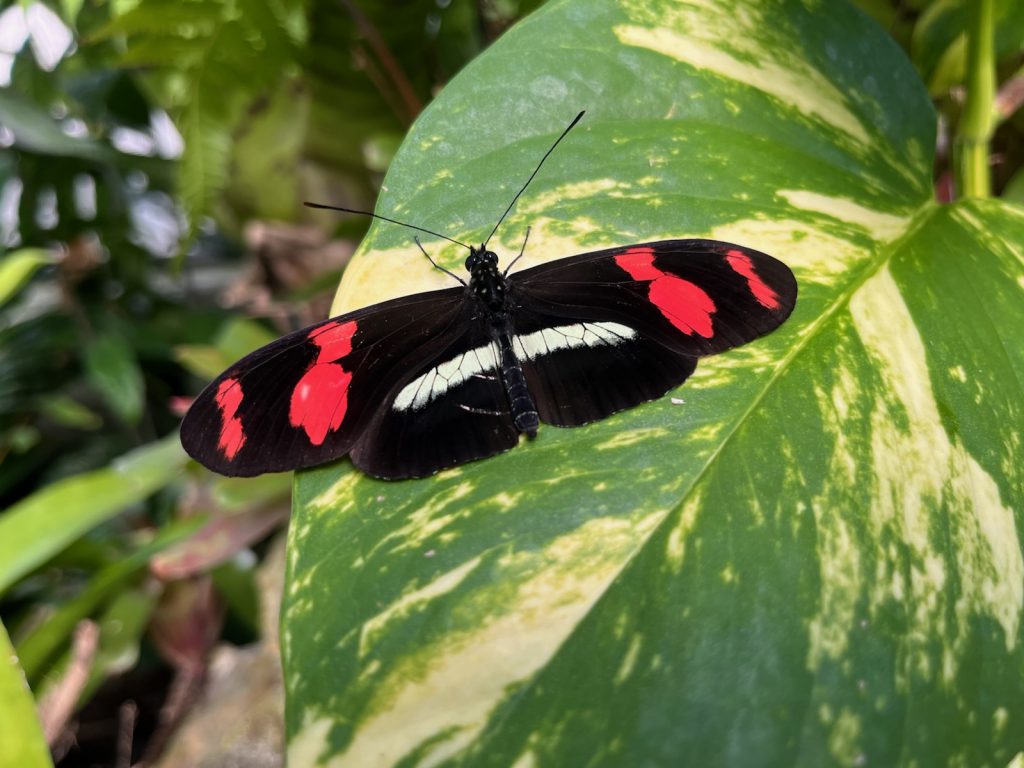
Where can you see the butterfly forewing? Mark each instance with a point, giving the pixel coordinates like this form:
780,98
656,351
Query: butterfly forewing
604,331
308,397
698,297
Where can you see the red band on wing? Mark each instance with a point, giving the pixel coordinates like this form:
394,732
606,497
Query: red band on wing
320,399
744,267
639,263
334,340
232,436
684,304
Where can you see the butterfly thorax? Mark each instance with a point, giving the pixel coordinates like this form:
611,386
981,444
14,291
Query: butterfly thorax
486,283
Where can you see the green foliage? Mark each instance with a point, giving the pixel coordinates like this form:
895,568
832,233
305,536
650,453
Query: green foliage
17,268
211,61
39,526
496,598
21,738
111,366
939,43
235,340
39,645
122,625
102,335
35,131
811,553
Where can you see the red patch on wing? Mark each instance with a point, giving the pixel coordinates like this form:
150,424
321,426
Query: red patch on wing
320,399
639,263
334,340
232,436
744,267
684,304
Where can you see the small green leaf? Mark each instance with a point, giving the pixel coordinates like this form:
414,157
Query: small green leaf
204,361
236,493
236,339
41,525
69,11
64,410
1013,192
122,626
21,736
379,150
17,267
237,586
21,438
113,369
241,336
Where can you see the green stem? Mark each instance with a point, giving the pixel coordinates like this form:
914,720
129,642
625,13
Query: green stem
977,123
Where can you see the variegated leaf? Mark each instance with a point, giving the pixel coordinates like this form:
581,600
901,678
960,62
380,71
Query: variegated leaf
809,554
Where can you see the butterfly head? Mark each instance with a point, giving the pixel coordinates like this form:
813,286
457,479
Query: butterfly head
481,260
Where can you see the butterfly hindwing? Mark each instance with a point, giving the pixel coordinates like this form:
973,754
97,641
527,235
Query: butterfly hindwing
452,411
584,371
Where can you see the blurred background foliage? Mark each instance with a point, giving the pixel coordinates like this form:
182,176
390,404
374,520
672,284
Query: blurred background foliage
154,157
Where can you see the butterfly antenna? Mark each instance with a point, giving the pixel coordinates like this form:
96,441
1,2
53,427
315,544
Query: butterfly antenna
535,170
385,218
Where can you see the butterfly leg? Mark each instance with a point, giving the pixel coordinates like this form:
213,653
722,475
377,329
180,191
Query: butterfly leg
481,411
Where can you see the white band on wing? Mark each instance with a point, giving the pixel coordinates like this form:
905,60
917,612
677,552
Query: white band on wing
548,340
484,360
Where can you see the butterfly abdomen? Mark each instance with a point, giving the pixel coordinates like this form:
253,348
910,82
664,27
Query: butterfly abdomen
524,410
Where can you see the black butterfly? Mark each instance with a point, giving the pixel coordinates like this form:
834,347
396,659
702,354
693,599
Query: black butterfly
420,383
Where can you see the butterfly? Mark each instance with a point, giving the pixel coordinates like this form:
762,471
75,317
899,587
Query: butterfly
425,382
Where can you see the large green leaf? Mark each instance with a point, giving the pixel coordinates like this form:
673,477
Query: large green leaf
810,554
